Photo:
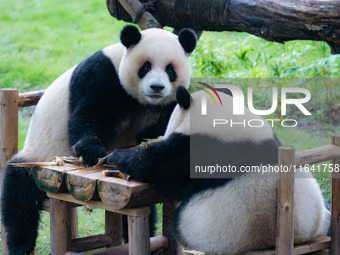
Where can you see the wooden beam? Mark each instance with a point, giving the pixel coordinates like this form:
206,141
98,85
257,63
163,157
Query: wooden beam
139,235
335,212
156,243
30,98
133,7
8,139
60,220
97,204
316,155
285,203
90,243
114,227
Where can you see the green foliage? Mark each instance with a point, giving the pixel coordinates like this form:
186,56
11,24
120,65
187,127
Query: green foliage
241,55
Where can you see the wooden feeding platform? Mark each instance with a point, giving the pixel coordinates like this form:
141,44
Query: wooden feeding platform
86,184
72,185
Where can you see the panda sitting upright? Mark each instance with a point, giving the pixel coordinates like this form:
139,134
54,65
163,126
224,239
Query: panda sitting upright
113,99
222,216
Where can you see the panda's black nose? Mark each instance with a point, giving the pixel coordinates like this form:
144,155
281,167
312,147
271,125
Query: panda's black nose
157,88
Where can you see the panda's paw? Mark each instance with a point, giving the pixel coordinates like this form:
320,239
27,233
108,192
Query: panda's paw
89,151
117,158
21,242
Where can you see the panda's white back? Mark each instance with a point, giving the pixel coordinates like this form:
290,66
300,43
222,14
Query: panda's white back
47,132
241,215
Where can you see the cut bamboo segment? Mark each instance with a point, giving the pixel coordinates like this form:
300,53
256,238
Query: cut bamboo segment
51,178
119,193
82,183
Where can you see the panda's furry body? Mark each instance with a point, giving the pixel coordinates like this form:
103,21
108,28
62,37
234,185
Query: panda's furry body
113,99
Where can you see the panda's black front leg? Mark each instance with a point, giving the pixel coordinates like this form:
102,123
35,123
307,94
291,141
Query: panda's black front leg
164,164
89,135
21,201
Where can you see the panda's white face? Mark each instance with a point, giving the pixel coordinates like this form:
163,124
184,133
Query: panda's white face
151,70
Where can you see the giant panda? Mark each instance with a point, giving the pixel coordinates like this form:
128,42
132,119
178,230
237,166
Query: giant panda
113,99
222,215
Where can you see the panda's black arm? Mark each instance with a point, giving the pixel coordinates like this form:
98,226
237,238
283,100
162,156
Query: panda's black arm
164,164
96,100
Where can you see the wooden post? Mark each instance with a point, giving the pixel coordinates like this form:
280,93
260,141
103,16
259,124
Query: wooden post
60,219
168,209
139,234
8,138
114,227
285,203
74,223
335,214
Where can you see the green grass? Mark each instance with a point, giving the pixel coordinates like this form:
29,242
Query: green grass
40,39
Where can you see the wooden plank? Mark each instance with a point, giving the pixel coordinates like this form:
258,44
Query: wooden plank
114,227
316,244
319,243
51,178
285,203
156,243
90,243
335,212
139,235
317,155
82,183
30,98
98,204
119,194
8,139
60,227
174,248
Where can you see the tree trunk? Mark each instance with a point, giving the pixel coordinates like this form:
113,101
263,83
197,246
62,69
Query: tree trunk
272,20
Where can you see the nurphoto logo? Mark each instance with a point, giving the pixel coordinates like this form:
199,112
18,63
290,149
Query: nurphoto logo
298,97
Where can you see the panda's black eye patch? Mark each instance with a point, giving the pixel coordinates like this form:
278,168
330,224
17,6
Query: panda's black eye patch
145,68
171,72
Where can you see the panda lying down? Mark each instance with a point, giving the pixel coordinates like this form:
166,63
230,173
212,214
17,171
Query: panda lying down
222,216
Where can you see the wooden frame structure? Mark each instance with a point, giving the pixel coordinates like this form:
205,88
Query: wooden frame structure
64,218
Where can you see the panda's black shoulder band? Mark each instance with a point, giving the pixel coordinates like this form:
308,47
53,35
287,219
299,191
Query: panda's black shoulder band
130,35
183,97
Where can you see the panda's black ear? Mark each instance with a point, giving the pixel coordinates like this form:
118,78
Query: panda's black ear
188,39
130,35
183,97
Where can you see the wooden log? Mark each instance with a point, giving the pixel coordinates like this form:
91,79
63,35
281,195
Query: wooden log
335,214
8,139
133,7
285,203
272,20
60,219
319,243
90,243
82,183
30,98
139,235
51,178
114,227
156,243
119,193
317,155
174,248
